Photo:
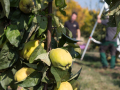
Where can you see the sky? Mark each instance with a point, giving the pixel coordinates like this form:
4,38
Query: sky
90,4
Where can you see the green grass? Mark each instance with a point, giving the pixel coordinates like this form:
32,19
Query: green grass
93,77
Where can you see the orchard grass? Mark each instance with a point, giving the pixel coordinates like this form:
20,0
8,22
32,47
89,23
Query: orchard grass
93,77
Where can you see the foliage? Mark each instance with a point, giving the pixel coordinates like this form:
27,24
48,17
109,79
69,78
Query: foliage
114,14
17,29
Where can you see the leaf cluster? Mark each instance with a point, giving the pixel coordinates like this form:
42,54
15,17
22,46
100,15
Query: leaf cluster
19,28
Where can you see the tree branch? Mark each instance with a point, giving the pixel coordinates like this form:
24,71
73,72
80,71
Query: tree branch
49,28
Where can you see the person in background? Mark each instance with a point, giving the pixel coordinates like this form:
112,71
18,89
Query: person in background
108,44
73,26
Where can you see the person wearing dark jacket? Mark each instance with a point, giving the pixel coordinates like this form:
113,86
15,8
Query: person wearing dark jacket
73,26
110,43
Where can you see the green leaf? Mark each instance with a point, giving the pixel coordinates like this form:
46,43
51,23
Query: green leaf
42,25
20,19
62,11
60,30
6,7
74,53
62,41
44,57
8,56
70,40
60,3
2,39
14,3
64,74
56,21
31,65
69,33
31,19
13,35
37,7
75,76
60,75
7,78
44,4
38,19
56,76
71,51
78,50
45,79
32,80
39,50
29,32
114,9
53,43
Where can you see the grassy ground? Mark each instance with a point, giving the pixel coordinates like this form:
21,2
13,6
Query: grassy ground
93,77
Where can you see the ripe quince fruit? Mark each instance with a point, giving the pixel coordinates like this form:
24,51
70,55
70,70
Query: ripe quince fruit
28,49
60,58
26,6
23,73
64,86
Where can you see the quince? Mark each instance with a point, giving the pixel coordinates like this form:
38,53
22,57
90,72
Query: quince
26,6
23,73
28,49
60,58
64,86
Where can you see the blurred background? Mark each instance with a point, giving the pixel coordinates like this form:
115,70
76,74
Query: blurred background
92,76
87,14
